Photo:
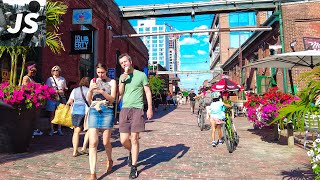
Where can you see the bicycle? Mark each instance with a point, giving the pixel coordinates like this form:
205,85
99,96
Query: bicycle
230,134
201,115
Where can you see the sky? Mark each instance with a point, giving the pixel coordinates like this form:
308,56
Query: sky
23,2
194,51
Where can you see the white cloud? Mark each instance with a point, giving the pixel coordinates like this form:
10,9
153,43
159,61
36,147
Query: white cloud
188,56
206,40
201,52
202,27
189,41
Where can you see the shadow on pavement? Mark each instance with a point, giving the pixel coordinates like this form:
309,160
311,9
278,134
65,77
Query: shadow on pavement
267,135
299,174
161,112
153,156
48,144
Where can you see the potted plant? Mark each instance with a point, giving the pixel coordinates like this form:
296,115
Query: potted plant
263,109
26,99
18,122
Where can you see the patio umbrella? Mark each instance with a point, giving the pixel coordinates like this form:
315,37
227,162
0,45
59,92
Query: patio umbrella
308,58
226,84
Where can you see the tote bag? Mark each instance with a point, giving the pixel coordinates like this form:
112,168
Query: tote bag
63,116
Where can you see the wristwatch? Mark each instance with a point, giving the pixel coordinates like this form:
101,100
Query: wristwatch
122,81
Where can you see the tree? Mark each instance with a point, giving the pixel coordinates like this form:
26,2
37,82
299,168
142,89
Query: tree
156,84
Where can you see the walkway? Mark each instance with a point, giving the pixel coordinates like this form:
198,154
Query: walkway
172,148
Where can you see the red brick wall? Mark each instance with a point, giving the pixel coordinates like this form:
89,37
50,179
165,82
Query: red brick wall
300,20
105,13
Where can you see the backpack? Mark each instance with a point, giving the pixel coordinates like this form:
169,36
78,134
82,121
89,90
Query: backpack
207,99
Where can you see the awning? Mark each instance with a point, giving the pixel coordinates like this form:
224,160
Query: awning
310,58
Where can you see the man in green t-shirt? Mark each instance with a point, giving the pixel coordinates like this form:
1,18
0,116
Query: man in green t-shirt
132,84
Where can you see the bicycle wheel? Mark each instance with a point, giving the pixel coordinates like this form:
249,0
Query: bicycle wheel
227,139
202,121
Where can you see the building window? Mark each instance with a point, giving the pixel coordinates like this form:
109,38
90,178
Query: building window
242,19
238,38
147,29
154,29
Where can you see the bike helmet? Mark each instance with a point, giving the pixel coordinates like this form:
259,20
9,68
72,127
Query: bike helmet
215,95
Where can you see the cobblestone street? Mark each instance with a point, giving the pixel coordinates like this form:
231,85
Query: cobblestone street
173,147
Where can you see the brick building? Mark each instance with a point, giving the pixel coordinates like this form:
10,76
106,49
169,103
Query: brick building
106,22
300,20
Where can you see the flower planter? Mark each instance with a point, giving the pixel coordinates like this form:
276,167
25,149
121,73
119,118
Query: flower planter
16,129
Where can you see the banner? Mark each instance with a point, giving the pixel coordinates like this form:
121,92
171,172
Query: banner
311,43
81,42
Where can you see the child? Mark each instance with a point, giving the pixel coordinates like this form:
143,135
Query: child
216,115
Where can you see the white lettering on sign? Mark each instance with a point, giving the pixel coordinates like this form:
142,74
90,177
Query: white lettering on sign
29,20
81,42
315,45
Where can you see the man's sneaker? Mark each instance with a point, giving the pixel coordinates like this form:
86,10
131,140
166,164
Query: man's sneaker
133,173
51,132
60,132
214,144
220,141
130,159
37,132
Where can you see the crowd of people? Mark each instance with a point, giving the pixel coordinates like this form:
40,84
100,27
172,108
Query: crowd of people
93,103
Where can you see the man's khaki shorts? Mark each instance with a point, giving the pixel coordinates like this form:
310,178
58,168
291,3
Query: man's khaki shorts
131,120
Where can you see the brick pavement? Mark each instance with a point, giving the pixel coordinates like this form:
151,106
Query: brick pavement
172,148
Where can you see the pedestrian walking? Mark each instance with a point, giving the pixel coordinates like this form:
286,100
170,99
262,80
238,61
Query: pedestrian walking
27,79
131,87
192,96
80,106
157,100
101,96
59,83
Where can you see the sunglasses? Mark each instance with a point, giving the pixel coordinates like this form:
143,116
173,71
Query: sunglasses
55,70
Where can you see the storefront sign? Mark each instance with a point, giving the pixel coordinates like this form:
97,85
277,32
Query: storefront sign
311,43
22,23
82,16
112,73
81,42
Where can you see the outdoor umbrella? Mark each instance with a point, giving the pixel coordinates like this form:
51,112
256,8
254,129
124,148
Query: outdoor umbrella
226,84
309,58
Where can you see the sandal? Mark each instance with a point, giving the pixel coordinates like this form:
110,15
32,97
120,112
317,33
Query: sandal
92,177
84,152
109,165
76,154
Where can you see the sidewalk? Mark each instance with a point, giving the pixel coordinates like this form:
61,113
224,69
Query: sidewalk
173,147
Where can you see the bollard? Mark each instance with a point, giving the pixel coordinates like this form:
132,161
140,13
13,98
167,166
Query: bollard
290,134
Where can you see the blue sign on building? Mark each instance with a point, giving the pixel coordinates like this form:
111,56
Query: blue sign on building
111,73
82,16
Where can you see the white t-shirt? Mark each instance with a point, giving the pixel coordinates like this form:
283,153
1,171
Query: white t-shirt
61,82
79,105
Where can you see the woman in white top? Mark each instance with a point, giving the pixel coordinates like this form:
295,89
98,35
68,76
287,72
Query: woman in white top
59,83
79,108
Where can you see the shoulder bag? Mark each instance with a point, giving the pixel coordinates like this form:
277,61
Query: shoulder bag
85,121
62,97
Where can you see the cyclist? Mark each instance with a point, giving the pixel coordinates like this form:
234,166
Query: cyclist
216,114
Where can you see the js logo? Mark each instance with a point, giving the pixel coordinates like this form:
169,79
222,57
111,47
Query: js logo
25,21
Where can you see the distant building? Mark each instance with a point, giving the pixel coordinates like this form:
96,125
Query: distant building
158,46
